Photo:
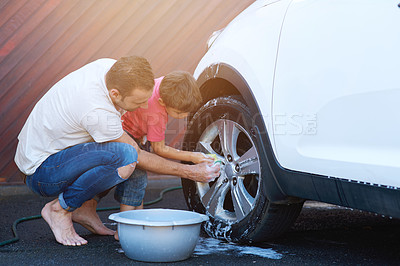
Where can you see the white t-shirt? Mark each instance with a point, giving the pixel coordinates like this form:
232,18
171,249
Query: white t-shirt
77,109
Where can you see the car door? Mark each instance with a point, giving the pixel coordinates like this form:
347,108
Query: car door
336,90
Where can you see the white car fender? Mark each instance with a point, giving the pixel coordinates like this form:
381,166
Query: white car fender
254,60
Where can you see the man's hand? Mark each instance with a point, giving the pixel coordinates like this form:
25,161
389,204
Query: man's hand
199,157
204,172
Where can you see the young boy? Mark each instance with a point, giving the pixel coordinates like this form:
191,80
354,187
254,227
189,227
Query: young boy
177,94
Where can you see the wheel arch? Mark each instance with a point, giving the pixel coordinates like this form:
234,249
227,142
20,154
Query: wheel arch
223,80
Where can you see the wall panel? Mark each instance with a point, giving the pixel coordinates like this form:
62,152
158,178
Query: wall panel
43,40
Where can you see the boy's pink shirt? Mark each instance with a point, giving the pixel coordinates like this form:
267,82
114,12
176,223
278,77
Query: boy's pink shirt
151,121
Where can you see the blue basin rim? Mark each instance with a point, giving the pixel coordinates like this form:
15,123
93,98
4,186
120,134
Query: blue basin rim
158,217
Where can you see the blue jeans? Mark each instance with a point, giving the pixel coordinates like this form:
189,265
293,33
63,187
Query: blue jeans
77,174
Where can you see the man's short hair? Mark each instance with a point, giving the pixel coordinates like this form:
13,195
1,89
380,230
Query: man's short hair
179,90
129,73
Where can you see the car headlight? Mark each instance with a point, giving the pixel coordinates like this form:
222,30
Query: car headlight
213,37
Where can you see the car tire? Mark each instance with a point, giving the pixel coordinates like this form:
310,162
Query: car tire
236,202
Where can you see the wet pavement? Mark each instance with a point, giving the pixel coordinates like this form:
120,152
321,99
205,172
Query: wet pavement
323,234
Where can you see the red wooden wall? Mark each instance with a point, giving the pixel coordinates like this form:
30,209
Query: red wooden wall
43,40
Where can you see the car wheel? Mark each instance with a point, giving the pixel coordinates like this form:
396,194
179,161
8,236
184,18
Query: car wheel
236,202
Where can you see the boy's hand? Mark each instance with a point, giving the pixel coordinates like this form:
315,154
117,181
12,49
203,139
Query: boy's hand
199,157
205,172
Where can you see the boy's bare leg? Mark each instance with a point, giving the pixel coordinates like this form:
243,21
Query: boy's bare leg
124,208
87,216
60,222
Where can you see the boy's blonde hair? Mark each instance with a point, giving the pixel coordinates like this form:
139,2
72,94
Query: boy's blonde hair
129,73
179,90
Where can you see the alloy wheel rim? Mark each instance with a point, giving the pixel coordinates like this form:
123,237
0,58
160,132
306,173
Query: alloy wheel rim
233,195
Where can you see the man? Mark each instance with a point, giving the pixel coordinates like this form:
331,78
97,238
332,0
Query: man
72,144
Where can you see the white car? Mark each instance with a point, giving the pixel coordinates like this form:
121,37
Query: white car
302,102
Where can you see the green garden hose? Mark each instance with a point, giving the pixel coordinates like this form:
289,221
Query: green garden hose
29,218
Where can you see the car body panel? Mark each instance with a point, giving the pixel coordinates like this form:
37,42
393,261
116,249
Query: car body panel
235,46
337,85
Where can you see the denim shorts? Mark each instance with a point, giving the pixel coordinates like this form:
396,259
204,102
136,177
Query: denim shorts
131,192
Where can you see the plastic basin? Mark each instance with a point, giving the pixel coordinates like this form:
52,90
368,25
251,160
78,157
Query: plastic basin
158,235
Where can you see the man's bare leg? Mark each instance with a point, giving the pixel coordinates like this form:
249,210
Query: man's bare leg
124,208
60,222
87,216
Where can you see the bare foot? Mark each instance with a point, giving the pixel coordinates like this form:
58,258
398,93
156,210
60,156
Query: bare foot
60,222
87,216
